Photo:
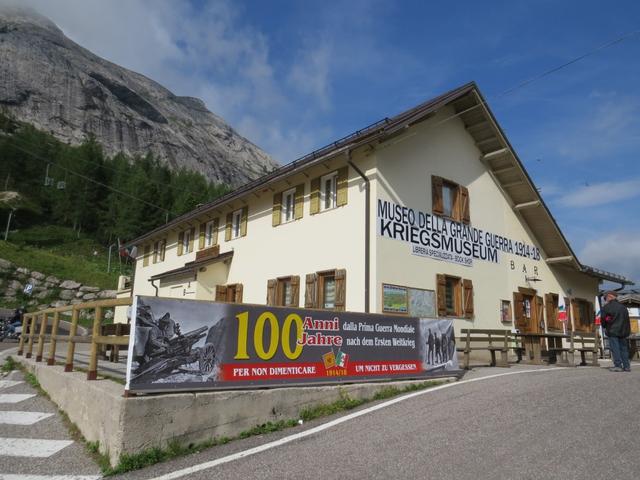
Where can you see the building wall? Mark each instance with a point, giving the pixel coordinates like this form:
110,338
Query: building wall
403,177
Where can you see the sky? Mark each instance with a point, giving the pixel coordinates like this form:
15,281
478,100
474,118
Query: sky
292,76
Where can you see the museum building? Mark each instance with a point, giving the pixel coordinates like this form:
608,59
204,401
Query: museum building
429,213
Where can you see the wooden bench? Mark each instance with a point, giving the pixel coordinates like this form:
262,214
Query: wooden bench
115,329
493,341
584,343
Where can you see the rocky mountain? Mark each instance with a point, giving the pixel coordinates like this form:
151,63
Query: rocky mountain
53,83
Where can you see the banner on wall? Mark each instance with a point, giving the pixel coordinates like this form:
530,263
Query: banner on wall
196,345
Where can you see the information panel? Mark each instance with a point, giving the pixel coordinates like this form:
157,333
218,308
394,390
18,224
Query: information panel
196,345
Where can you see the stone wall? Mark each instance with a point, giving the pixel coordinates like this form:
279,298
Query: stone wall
47,290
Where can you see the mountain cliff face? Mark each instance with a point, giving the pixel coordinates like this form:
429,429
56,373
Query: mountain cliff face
62,88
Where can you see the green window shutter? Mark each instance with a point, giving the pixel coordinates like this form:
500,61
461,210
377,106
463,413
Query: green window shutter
180,243
203,228
227,230
342,184
299,204
315,196
277,208
192,239
243,222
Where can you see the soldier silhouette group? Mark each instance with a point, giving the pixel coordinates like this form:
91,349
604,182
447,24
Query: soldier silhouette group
440,347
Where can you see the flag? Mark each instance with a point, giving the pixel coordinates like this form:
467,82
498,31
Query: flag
562,309
596,305
342,359
329,360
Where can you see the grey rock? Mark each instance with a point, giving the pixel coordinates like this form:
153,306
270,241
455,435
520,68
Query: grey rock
52,280
49,285
107,294
33,281
42,294
70,285
67,294
23,271
59,303
15,285
76,301
42,307
89,289
108,315
5,264
79,294
32,302
10,292
62,88
38,275
89,296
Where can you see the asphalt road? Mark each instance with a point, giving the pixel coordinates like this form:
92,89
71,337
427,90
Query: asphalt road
559,423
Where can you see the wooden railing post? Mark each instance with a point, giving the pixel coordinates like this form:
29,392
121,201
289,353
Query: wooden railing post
71,347
23,334
32,330
92,374
54,339
43,331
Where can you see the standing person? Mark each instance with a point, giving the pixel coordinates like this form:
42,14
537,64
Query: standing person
615,318
430,345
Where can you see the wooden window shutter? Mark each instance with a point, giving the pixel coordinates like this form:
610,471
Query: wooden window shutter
221,293
341,289
295,291
342,186
203,229
575,313
441,294
145,257
467,286
180,243
315,196
465,216
192,239
244,216
552,321
272,286
216,225
518,311
298,209
567,306
436,195
227,230
277,208
311,292
540,313
238,293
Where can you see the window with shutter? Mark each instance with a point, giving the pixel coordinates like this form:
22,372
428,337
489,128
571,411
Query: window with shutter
450,295
519,312
328,191
231,293
146,255
551,309
450,200
272,285
202,236
221,293
341,289
211,236
288,205
163,249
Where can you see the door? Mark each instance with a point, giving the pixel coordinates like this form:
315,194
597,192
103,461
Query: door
527,313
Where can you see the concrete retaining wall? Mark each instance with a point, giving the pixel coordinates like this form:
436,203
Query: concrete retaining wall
130,425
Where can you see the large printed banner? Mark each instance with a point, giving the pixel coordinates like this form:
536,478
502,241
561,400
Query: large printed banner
197,345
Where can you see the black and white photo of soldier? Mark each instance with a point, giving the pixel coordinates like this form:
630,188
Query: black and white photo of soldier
165,350
438,345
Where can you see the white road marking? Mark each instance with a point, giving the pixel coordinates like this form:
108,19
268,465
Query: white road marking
267,446
48,477
9,383
29,447
22,418
15,397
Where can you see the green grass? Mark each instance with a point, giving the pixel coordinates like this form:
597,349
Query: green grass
57,251
9,365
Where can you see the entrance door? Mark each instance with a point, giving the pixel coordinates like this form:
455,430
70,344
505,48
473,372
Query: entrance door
527,310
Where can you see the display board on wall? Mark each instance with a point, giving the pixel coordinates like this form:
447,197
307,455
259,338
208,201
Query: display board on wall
416,302
183,345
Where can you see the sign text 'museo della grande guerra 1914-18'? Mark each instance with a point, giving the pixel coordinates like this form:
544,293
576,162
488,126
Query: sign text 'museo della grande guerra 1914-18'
444,239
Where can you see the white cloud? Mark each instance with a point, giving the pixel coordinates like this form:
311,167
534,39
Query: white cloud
616,252
601,193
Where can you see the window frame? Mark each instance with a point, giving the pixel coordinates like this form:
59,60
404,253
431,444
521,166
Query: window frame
210,231
456,293
186,242
333,199
236,224
288,215
459,211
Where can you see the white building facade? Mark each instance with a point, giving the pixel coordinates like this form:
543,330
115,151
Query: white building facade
429,213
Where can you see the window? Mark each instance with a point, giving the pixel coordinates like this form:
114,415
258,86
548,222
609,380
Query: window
284,291
185,241
326,290
551,307
329,191
159,249
505,311
231,293
236,224
211,233
455,296
145,256
583,316
450,200
288,205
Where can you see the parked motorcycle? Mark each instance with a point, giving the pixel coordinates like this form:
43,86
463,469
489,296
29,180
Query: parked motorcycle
9,333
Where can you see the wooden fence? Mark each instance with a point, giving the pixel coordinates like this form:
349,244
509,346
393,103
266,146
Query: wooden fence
39,321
